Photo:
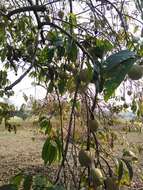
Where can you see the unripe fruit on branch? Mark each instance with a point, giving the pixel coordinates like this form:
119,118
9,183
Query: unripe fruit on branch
93,125
129,155
129,93
135,72
96,177
84,158
60,14
125,105
47,18
83,76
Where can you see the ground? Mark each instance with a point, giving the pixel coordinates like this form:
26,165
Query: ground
19,152
22,152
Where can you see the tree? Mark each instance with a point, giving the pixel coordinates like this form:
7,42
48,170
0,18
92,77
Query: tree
6,111
67,46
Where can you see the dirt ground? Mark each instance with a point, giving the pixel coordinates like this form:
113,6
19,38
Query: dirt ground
19,152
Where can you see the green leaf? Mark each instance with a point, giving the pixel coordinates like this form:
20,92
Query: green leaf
136,28
130,169
96,52
52,152
27,182
45,125
41,181
49,152
62,85
16,180
72,51
60,52
59,147
42,55
100,47
119,62
2,33
45,153
118,58
3,54
50,87
134,106
72,19
57,187
115,76
21,24
52,36
50,53
8,187
120,170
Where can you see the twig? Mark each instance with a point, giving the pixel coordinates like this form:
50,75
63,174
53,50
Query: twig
69,35
20,78
41,8
38,21
28,70
69,134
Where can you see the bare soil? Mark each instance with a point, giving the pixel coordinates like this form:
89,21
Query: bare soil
20,152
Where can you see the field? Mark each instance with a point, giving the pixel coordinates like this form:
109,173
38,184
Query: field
22,152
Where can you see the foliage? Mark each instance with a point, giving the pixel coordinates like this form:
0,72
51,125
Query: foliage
6,111
120,62
37,182
77,55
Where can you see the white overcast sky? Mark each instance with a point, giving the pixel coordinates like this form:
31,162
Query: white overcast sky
26,87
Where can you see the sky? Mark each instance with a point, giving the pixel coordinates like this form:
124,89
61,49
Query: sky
26,87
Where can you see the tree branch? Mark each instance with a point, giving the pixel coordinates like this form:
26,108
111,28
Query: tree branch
19,79
41,8
69,35
38,20
28,70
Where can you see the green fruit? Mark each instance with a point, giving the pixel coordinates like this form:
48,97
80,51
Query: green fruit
135,72
134,106
125,106
111,183
47,18
60,14
96,177
83,76
129,155
93,125
129,93
84,158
